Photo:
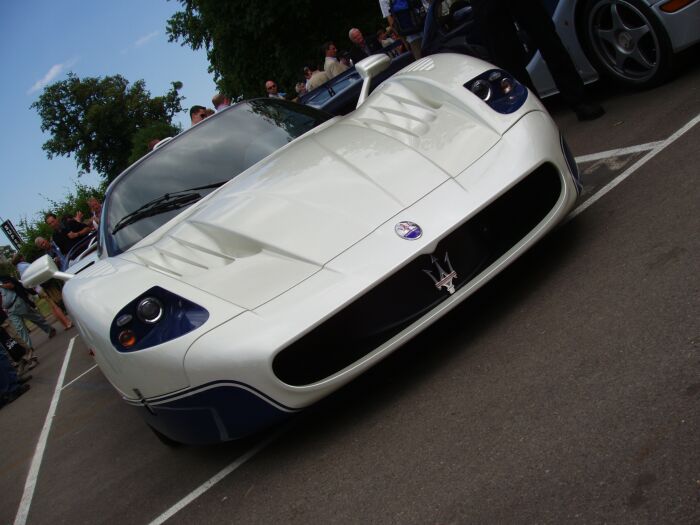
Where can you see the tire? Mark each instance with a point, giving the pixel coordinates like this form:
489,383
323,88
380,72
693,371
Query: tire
626,42
165,439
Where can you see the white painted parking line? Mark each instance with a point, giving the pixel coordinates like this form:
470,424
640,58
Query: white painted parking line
30,484
634,167
215,479
618,152
81,375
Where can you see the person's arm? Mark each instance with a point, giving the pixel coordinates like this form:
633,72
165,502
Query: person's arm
77,229
79,233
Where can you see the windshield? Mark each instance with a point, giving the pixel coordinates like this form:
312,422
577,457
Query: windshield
203,158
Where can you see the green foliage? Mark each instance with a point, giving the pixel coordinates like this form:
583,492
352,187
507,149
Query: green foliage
144,136
248,43
6,252
72,203
95,119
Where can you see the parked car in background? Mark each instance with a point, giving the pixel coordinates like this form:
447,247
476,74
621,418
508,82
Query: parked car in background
630,41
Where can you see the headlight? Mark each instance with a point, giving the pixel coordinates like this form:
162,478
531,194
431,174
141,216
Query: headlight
482,89
155,317
150,310
499,90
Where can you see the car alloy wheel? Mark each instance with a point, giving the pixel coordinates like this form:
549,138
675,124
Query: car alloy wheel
626,41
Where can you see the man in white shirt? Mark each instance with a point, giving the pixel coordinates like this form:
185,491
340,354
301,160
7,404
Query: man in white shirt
332,66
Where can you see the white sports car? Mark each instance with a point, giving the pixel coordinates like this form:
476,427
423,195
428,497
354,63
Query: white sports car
270,254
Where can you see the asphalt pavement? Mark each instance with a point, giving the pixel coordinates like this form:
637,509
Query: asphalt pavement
565,391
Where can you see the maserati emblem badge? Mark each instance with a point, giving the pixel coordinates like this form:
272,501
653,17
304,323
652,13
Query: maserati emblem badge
408,230
445,278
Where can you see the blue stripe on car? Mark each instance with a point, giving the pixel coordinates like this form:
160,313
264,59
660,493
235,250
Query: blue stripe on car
218,411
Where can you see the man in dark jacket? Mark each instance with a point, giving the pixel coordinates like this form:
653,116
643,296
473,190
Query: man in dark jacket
362,48
68,234
497,18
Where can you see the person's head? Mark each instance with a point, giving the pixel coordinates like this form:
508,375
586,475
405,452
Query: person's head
329,49
197,114
344,58
300,88
381,34
220,101
95,205
209,112
42,244
356,37
17,258
52,221
271,87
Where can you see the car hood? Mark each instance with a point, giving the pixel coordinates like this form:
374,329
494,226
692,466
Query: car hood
283,219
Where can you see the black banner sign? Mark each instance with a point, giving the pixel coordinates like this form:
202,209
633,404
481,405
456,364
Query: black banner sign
12,234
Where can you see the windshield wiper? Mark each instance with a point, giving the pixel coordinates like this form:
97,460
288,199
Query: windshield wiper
167,202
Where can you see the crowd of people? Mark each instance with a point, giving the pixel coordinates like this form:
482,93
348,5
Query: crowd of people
314,73
404,31
17,355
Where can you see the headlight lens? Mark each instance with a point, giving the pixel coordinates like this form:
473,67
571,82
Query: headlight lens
482,89
500,90
155,317
150,310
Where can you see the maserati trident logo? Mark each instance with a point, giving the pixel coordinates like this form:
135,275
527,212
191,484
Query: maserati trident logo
408,230
445,279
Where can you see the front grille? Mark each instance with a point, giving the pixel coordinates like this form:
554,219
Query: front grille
409,293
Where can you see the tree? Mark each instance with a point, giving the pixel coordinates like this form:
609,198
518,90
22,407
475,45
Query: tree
143,137
70,205
95,119
250,42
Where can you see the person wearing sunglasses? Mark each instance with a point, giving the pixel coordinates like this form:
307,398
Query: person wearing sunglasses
272,92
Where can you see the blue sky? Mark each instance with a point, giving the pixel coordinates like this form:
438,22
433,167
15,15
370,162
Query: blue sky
40,42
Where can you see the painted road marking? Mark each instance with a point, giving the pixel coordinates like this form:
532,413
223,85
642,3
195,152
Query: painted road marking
30,484
81,375
634,167
618,152
218,477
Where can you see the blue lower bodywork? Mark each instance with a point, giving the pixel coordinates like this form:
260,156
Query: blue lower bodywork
212,413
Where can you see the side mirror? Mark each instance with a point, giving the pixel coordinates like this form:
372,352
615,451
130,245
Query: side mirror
368,68
41,271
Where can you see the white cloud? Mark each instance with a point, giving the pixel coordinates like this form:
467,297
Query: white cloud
52,73
145,39
140,42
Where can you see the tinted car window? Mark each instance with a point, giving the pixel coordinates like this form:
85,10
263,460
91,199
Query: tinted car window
210,153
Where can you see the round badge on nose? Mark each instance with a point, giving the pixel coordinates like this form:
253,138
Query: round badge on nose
408,230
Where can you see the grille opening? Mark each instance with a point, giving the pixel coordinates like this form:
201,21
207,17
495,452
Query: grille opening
409,293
